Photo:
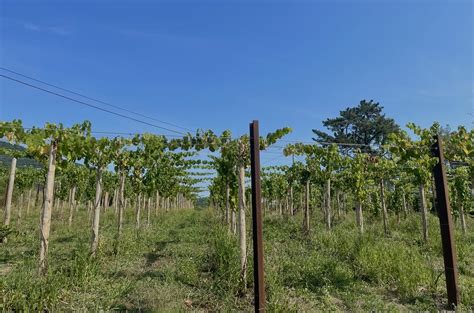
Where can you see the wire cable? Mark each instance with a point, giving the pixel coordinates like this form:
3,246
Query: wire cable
91,105
326,143
109,132
272,159
94,99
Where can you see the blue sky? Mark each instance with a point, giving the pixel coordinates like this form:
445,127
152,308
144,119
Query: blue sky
202,64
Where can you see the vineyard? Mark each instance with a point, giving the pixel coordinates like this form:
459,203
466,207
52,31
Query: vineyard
93,222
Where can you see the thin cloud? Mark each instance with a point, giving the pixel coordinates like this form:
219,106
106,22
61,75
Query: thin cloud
57,30
158,35
448,89
32,27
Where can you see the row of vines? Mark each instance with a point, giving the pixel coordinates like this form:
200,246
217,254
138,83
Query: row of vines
74,169
337,179
149,172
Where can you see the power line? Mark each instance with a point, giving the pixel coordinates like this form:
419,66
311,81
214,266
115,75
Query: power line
108,132
326,143
94,99
270,152
272,159
274,147
128,134
91,105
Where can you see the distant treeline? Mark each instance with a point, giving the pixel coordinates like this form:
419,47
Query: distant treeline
6,160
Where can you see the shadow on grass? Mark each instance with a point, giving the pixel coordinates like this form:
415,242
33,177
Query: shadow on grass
65,239
152,274
153,256
130,307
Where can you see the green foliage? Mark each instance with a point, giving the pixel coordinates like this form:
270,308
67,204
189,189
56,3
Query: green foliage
358,176
13,132
235,153
415,156
69,141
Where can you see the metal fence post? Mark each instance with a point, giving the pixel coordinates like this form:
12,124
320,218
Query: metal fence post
259,279
445,222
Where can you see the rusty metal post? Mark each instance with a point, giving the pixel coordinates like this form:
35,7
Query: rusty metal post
445,222
258,268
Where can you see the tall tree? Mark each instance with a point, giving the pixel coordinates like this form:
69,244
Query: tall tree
364,125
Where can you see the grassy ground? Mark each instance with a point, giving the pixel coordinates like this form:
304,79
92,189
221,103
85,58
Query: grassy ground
185,261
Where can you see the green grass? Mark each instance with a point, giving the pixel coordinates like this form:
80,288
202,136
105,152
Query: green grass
186,261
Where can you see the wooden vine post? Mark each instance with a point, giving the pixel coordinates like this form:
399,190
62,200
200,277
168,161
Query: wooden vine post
46,212
9,195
